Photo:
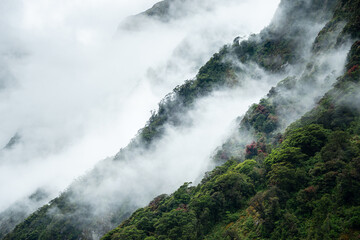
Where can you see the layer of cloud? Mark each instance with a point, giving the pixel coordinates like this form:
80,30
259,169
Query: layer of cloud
75,94
183,154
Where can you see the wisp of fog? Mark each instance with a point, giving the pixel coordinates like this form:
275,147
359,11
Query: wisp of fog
74,88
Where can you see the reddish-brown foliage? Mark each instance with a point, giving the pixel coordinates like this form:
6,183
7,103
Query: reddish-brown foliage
182,207
154,204
273,118
353,69
254,149
224,155
310,189
251,150
261,109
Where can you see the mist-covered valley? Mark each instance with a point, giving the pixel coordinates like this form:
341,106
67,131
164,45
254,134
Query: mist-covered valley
180,87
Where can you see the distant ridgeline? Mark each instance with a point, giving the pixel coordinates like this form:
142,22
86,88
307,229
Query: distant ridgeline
166,11
298,179
161,11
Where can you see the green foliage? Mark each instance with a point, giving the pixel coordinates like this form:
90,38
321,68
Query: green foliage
176,224
302,185
216,73
310,139
287,155
353,58
307,195
261,117
270,53
246,167
191,211
306,188
128,233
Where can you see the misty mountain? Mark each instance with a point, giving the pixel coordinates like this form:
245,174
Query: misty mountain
20,210
106,83
168,10
288,170
161,11
13,141
299,184
42,160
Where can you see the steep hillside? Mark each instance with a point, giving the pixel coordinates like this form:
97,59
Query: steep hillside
302,184
305,188
287,47
18,211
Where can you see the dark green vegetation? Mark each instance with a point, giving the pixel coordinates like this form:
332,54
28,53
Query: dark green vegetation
214,74
278,45
284,40
302,184
20,210
305,188
299,184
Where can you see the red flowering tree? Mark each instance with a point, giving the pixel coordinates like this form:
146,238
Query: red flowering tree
251,150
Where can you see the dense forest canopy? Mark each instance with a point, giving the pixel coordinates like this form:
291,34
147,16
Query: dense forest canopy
290,170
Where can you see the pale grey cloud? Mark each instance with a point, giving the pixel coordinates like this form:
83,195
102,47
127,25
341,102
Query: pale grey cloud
75,94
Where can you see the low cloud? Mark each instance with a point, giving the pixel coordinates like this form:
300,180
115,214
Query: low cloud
75,94
182,154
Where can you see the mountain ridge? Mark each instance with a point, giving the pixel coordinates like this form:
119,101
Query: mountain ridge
271,52
267,196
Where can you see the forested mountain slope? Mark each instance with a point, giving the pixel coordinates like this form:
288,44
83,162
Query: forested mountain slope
302,184
304,188
262,184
